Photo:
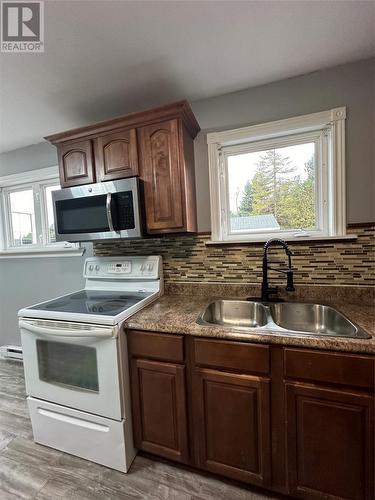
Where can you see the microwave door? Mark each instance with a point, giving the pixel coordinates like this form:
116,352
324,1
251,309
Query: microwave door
98,211
77,218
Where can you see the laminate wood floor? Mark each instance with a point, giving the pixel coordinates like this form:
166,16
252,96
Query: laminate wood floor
32,471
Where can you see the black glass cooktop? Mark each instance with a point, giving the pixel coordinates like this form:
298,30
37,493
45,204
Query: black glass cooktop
108,303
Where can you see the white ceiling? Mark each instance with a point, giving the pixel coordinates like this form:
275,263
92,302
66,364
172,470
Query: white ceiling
106,58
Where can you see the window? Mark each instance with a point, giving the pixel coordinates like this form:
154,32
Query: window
27,220
283,178
22,217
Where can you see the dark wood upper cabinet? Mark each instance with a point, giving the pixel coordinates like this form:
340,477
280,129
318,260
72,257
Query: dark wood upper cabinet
167,170
162,172
76,163
156,144
116,155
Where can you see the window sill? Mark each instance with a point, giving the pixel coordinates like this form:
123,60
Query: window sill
41,252
299,239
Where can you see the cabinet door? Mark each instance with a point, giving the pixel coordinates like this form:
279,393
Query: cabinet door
231,422
76,163
161,173
159,408
330,443
116,155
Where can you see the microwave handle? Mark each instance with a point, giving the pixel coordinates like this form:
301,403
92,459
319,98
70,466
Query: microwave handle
109,211
65,333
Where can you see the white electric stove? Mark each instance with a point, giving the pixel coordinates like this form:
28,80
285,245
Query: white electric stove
75,360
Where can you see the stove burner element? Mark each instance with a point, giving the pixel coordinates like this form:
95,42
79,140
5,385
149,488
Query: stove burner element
104,307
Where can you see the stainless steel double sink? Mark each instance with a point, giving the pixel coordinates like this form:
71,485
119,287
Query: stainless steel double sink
288,318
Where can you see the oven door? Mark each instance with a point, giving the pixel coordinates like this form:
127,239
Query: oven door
72,364
98,211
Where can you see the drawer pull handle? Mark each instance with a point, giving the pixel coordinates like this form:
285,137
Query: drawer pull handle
73,420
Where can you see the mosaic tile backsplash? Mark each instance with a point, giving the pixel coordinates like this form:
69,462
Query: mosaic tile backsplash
189,259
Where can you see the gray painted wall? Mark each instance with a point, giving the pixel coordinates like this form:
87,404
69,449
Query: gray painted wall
33,157
26,281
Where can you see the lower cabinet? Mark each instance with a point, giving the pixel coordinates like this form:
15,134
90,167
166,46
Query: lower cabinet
159,408
239,409
231,424
330,424
330,442
158,386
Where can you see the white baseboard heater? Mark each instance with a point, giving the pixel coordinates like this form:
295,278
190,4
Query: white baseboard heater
13,352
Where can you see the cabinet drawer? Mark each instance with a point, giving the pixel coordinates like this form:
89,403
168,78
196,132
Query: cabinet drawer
328,367
156,345
237,356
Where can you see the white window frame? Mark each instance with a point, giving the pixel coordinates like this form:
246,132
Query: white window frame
38,181
326,129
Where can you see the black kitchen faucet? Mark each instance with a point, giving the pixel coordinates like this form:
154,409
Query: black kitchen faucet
266,289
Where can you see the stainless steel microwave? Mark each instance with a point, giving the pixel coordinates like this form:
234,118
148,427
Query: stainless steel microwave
98,211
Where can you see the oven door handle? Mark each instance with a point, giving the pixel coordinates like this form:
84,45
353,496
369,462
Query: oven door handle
109,212
53,332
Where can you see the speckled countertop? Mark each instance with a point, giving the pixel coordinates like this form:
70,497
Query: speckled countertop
178,314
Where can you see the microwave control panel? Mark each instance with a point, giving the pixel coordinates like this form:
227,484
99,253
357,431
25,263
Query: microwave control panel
123,267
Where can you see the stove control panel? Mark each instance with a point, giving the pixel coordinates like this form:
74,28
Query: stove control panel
119,267
123,267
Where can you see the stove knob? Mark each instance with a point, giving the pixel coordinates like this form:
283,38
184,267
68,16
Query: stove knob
91,267
97,268
142,267
150,267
